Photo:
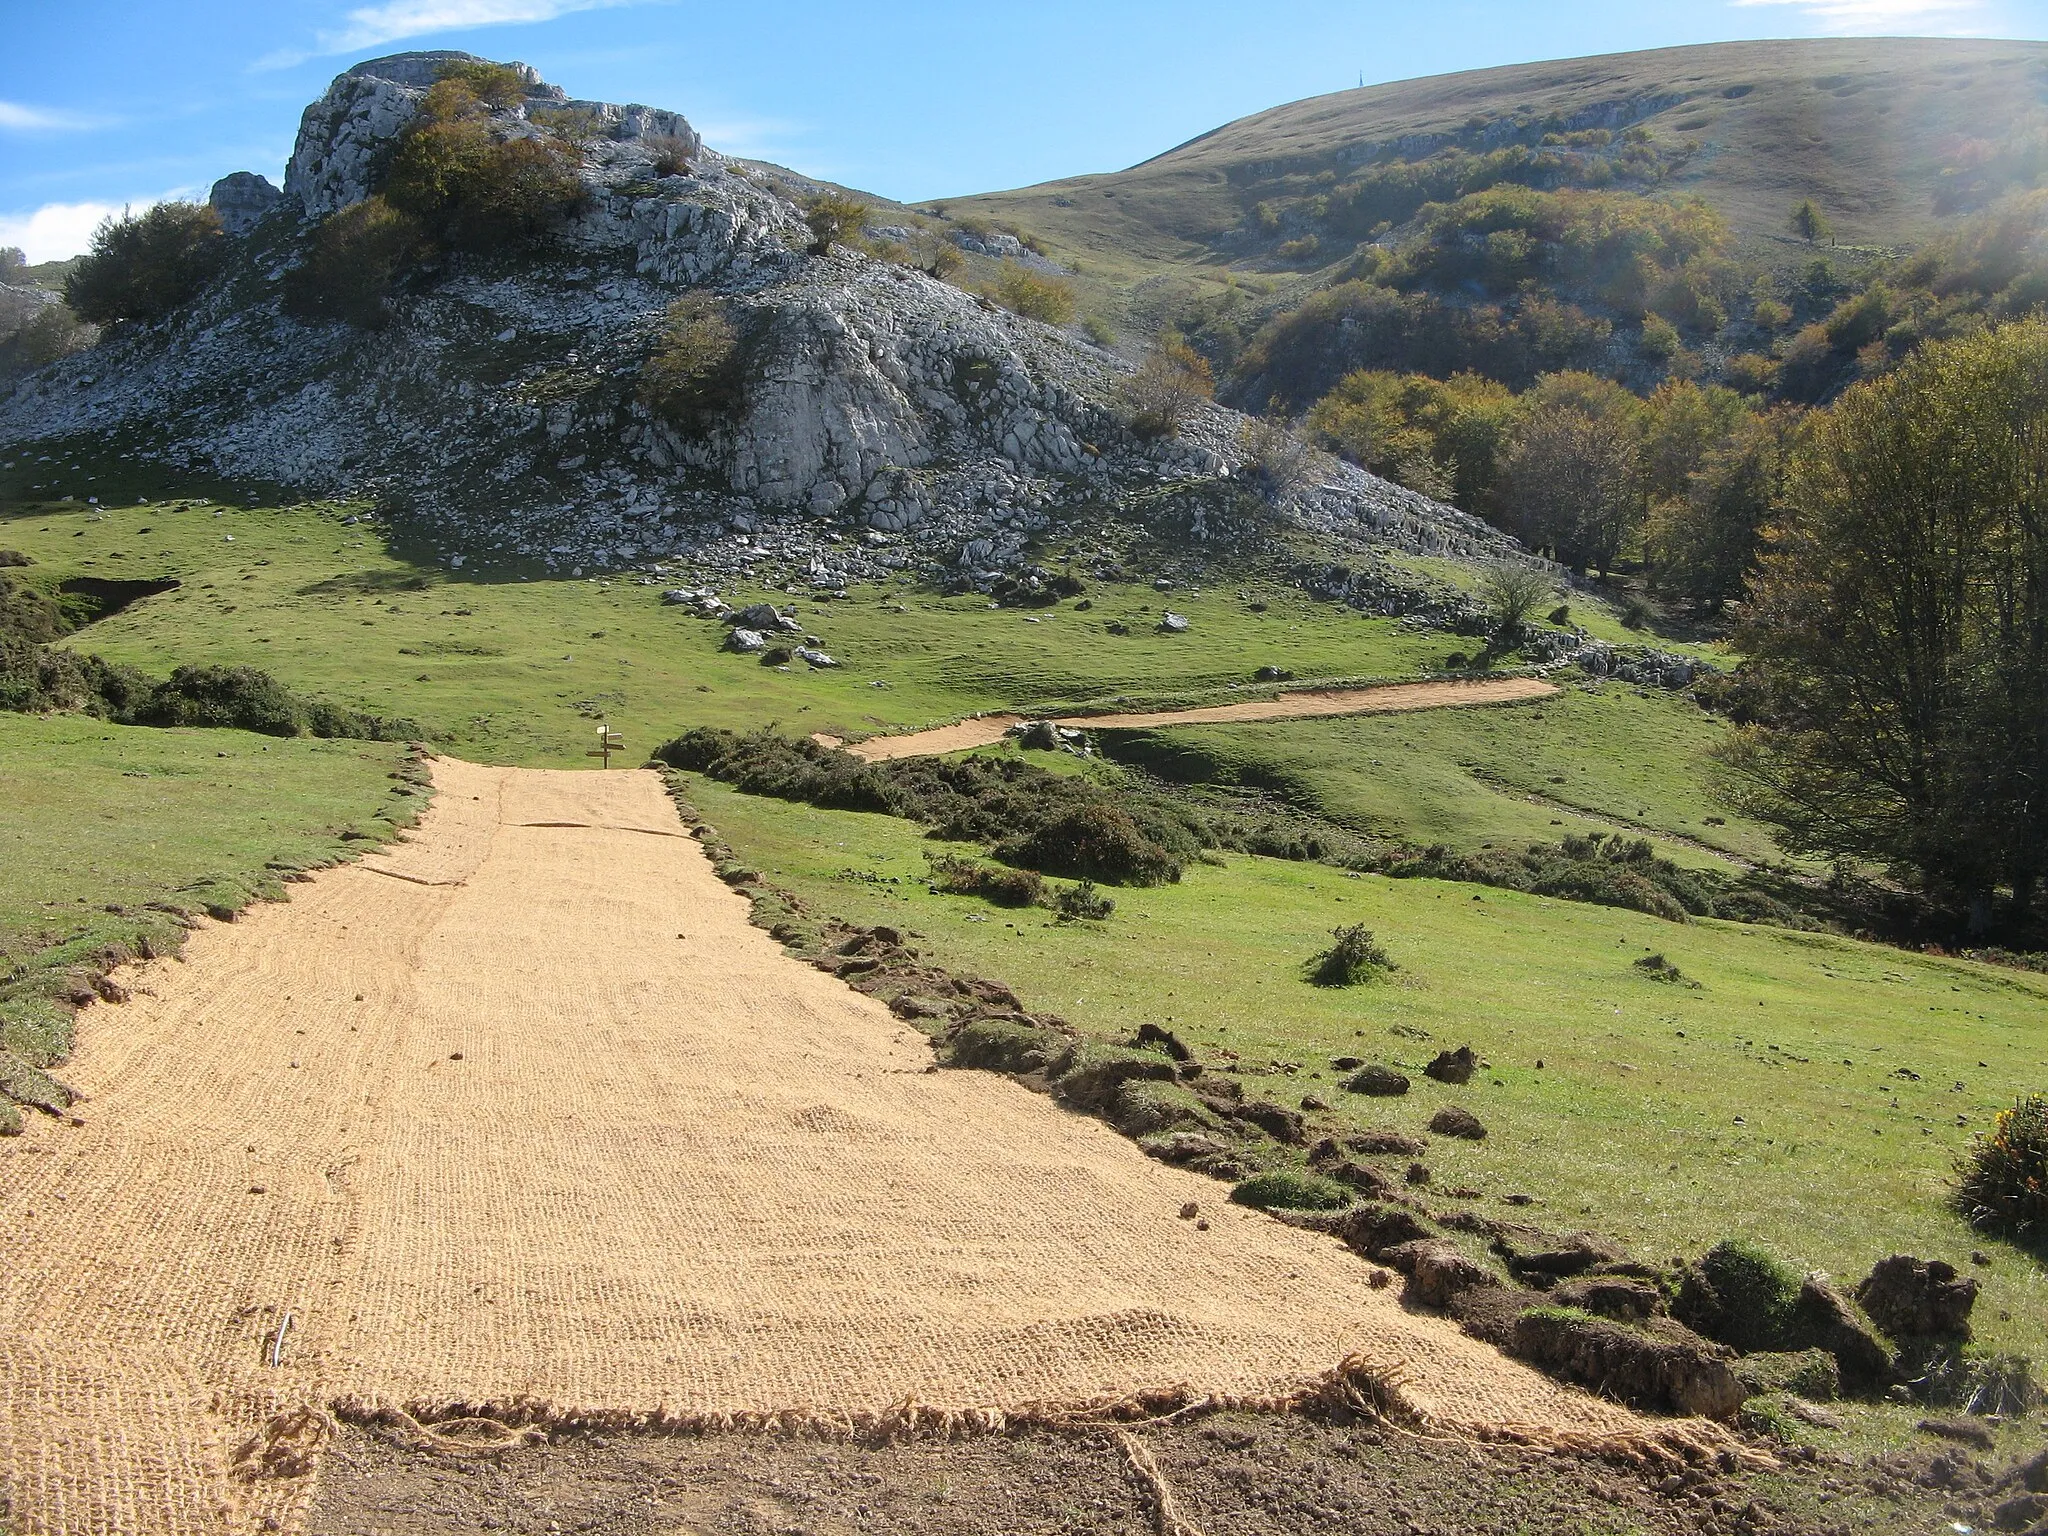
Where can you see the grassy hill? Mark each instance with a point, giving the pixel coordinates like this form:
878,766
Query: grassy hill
1887,135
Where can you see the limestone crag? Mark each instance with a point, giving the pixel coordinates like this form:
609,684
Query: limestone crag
900,420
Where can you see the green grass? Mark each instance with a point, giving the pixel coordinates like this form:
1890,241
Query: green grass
1605,757
1762,1103
108,828
514,671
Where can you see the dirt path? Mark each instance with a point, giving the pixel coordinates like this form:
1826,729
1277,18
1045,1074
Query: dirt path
987,730
526,1110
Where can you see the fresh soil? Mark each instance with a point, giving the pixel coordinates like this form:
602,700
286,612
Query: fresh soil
1242,1474
987,730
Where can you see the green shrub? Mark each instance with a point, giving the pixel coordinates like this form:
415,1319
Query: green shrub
1169,386
671,154
1287,1189
834,219
1098,330
1083,901
1004,887
352,262
694,365
1034,295
144,266
2002,1184
497,85
1356,956
475,191
1096,840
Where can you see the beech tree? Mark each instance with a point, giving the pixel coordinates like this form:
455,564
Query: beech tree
1899,626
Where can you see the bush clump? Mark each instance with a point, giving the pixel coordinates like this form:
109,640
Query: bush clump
1083,902
1004,887
352,263
834,219
143,266
693,368
1034,295
2002,1184
1287,1189
1356,956
1093,839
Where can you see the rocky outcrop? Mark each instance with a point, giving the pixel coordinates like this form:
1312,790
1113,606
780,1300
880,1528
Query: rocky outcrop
242,199
882,419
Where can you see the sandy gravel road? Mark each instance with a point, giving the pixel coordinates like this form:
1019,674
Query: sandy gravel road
987,730
527,1110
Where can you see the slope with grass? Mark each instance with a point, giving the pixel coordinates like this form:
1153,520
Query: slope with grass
1601,757
519,671
1871,129
1810,1092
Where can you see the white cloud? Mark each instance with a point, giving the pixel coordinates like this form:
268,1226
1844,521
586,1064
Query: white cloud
57,230
1890,17
25,119
372,26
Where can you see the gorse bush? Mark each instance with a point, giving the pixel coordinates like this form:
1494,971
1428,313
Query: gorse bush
1030,818
144,266
2002,1184
1356,956
968,877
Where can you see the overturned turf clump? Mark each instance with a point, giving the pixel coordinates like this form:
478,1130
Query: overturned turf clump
1671,1370
1287,1190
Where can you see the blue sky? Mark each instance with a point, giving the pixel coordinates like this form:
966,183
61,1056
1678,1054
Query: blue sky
112,102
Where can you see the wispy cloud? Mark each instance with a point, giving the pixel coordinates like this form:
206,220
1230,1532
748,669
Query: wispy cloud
750,138
57,230
17,117
372,26
1868,17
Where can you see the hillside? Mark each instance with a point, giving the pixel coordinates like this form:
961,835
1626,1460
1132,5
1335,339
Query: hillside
1891,136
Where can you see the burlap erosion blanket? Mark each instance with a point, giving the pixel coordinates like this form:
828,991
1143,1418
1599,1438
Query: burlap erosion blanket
526,1111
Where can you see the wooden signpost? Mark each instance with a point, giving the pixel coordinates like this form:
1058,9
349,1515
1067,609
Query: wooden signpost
608,742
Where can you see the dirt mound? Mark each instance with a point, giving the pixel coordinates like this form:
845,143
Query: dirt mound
525,1118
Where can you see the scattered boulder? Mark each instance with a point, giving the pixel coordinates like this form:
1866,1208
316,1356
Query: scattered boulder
1454,1067
1174,623
749,642
241,199
1378,1081
1038,736
1453,1121
1910,1298
811,656
765,616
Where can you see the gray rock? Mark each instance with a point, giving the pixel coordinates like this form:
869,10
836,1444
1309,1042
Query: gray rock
811,656
749,641
241,199
1174,623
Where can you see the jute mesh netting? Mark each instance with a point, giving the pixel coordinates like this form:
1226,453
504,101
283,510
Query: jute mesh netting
524,1120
